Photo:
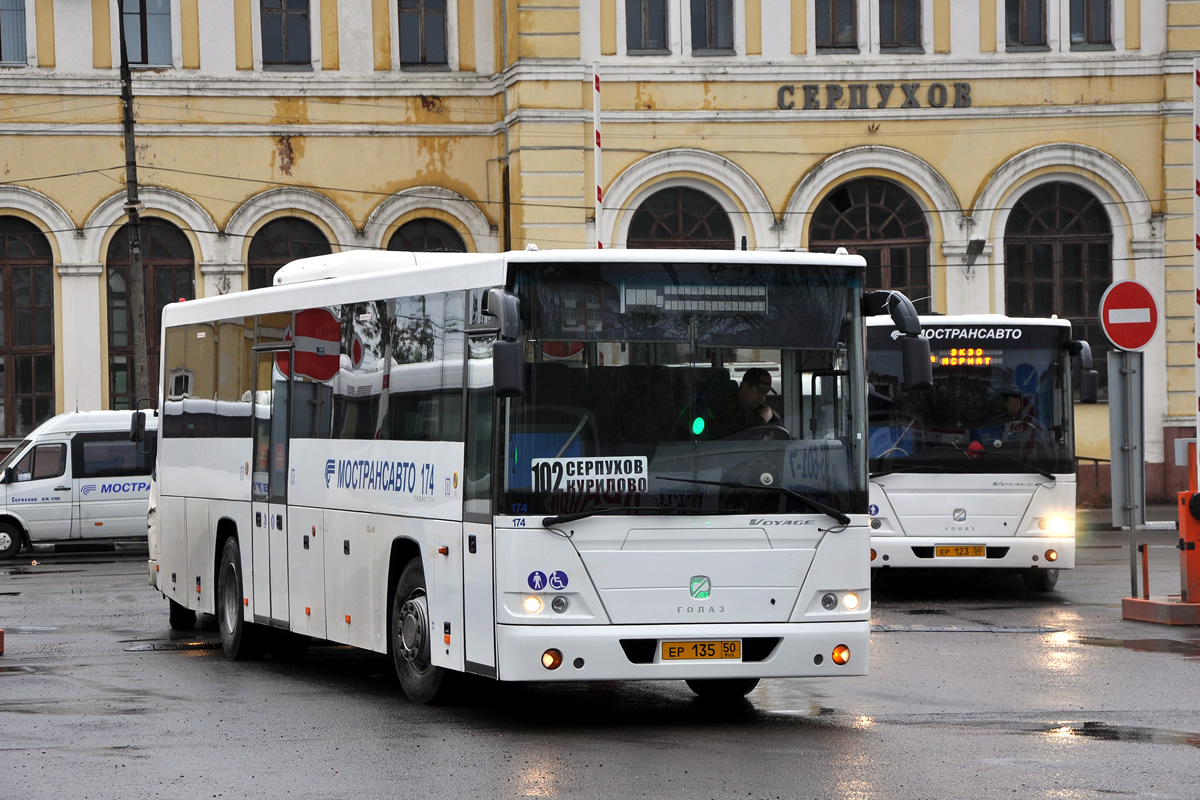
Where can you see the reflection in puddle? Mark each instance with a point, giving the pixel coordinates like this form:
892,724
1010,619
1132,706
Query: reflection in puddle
1102,731
26,670
148,646
1187,649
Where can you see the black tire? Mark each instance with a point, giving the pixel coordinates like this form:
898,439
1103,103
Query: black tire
10,540
409,635
181,617
1040,580
723,689
241,640
287,646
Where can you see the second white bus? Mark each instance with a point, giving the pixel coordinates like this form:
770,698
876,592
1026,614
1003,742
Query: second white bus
979,471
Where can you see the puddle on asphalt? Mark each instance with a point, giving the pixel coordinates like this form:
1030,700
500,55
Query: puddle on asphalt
1101,731
967,628
155,646
1182,648
24,670
916,612
33,629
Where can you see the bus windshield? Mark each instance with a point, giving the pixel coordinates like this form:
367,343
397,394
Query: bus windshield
687,388
1000,401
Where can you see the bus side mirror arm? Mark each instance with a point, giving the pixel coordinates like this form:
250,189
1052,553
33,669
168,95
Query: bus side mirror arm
1089,379
918,370
508,353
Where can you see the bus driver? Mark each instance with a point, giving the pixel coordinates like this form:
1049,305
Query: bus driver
745,408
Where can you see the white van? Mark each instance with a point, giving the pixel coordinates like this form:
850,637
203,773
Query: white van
76,476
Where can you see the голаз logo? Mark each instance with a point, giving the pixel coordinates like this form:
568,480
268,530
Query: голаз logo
700,587
87,489
960,515
330,471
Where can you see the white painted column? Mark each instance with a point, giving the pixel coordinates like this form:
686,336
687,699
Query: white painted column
82,294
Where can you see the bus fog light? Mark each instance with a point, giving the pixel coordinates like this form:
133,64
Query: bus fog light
552,659
1052,555
1058,525
841,654
850,601
533,604
559,604
829,601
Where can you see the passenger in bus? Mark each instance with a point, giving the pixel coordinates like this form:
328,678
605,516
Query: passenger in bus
745,408
1015,424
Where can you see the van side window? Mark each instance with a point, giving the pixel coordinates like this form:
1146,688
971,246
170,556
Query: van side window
103,455
42,461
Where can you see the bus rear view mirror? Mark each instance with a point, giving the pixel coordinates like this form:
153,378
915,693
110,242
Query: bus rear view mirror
1089,379
137,427
918,369
508,368
1089,385
506,309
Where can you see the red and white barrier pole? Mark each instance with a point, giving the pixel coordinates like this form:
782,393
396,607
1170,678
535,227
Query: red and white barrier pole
596,152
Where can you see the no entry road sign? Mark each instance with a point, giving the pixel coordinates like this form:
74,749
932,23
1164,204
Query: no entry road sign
1128,315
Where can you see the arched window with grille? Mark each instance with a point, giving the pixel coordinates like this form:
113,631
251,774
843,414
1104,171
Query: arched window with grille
280,241
170,270
26,327
680,217
1058,260
426,236
882,222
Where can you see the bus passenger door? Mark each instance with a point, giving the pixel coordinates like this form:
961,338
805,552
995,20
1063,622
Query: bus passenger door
269,498
479,592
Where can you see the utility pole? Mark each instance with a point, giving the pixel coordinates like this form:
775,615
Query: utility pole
136,285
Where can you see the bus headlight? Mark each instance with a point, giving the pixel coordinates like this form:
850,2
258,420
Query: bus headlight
533,604
559,604
1059,526
829,601
850,601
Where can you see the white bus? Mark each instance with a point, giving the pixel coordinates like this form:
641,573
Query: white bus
499,465
979,471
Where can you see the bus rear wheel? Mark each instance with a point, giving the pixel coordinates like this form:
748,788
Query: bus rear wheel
722,688
240,640
409,638
1040,580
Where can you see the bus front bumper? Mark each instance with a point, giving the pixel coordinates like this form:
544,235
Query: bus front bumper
1010,552
636,652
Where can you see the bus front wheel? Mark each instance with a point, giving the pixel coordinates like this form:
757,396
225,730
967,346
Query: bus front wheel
240,640
410,635
722,688
1040,580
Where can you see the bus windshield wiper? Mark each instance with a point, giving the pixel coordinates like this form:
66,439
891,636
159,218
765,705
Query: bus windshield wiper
1045,473
808,501
559,519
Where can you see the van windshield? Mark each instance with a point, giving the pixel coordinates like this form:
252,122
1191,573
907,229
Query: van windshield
15,454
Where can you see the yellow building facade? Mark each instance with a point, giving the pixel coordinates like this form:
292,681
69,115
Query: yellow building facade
988,157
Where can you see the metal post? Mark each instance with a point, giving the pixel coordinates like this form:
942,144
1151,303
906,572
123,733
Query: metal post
1132,367
136,286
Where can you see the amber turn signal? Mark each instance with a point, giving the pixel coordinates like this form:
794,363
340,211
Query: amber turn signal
552,659
841,654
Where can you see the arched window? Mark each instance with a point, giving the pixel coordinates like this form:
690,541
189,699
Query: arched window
426,235
280,241
170,271
1058,260
26,327
680,217
880,221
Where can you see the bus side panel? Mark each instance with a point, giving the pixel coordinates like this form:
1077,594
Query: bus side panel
444,579
205,467
306,571
200,586
172,562
356,562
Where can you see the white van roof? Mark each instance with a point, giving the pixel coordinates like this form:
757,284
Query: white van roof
79,421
